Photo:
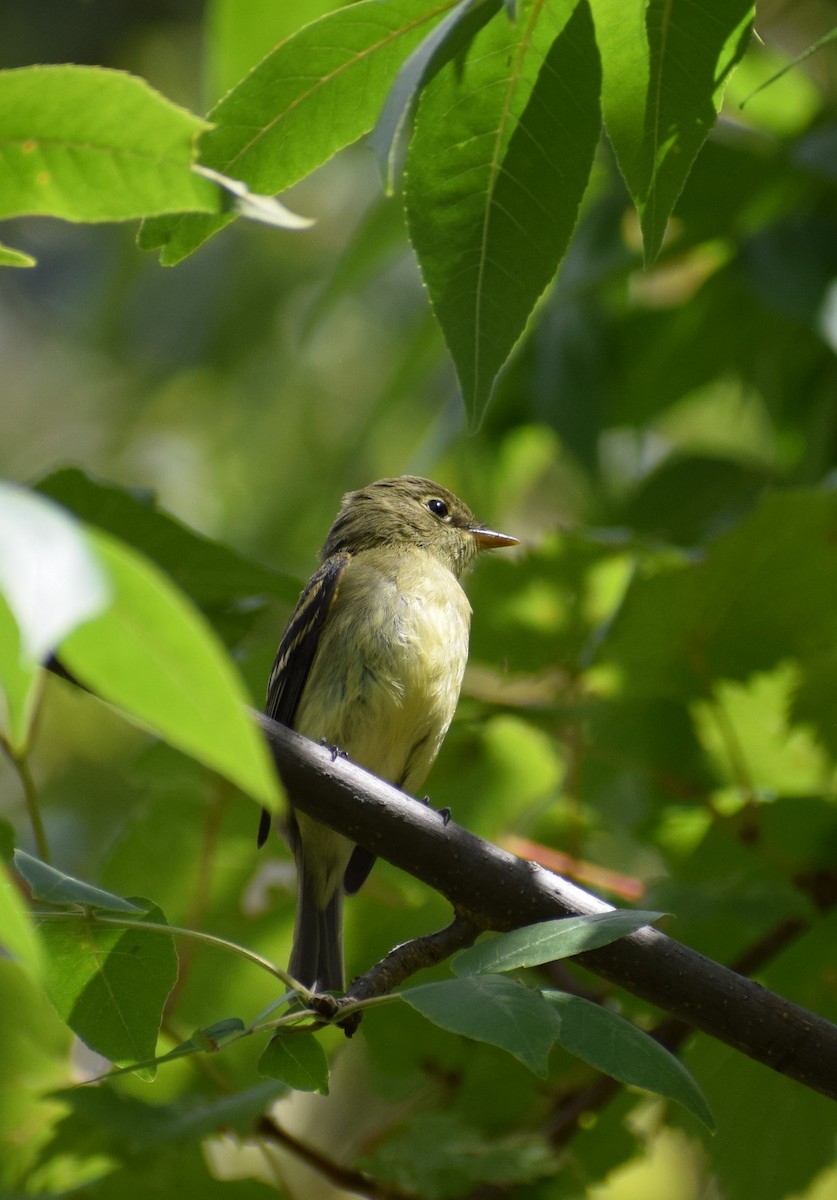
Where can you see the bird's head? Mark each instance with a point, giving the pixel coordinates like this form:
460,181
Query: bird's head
412,511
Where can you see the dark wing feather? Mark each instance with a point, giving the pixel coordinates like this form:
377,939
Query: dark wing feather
298,647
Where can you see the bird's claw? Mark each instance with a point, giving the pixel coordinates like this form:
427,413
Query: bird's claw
444,813
333,750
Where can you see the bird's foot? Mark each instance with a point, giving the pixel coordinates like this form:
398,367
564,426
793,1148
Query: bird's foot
444,813
334,751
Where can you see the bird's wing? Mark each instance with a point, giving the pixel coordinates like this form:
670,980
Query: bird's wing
298,647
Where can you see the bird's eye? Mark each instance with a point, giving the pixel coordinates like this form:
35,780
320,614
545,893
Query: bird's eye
438,508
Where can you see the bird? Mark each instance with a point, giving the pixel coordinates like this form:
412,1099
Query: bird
371,663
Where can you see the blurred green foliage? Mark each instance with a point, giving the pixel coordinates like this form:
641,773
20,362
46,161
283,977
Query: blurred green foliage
652,680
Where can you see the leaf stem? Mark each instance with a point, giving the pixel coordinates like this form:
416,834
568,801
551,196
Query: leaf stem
207,939
20,762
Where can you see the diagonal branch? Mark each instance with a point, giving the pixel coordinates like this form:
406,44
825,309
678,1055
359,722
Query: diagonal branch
494,890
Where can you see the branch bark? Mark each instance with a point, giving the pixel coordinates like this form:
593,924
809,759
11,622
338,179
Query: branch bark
494,890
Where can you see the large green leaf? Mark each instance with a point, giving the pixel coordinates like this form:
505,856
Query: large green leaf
616,1047
498,164
18,936
230,589
665,66
153,655
89,144
493,1009
318,91
110,984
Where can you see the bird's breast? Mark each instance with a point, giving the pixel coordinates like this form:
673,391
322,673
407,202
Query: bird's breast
385,680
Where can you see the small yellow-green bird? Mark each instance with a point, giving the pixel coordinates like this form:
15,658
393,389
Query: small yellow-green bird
371,663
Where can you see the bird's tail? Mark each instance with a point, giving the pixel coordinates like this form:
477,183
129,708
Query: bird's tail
317,954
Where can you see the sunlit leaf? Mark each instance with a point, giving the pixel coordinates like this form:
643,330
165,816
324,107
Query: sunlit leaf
318,91
155,657
10,257
89,144
665,66
18,936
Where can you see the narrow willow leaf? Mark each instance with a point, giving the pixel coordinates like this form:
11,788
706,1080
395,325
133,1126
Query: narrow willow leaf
10,257
617,1048
18,936
297,1059
154,656
202,1041
548,940
388,138
318,91
89,144
498,164
110,984
665,66
49,884
492,1009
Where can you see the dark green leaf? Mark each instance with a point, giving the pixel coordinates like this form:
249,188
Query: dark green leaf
492,1009
496,171
53,886
617,1048
296,1059
110,984
549,940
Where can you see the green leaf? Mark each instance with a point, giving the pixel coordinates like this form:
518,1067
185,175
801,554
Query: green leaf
202,1041
50,582
444,1155
15,258
498,164
89,144
317,92
141,1126
17,930
154,656
53,886
492,1009
549,940
617,1048
389,136
110,984
296,1059
230,589
665,66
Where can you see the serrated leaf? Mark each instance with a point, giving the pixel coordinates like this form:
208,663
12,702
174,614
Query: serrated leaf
110,984
490,1008
155,657
296,1059
665,66
617,1048
90,144
549,940
318,91
17,930
55,887
498,164
388,138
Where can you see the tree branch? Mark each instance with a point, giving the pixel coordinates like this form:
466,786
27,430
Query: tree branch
494,890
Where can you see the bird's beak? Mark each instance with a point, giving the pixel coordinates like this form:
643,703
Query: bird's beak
489,539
